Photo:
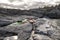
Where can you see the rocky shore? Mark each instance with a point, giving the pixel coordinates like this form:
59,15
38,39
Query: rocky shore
47,20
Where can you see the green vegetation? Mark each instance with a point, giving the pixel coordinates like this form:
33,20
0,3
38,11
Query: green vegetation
19,22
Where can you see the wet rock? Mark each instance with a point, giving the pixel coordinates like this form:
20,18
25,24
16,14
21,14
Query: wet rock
4,34
23,30
44,26
48,28
56,34
41,37
4,23
16,27
11,38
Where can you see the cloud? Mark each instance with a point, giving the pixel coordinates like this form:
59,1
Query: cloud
31,3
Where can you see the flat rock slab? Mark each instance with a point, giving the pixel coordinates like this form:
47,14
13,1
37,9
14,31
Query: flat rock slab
16,27
41,37
11,38
23,30
4,23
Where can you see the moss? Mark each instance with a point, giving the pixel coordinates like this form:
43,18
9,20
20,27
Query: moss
19,22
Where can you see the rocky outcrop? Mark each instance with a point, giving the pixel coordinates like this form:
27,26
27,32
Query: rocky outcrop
47,22
46,29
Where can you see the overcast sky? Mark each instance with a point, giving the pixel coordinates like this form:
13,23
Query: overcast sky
17,2
27,4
